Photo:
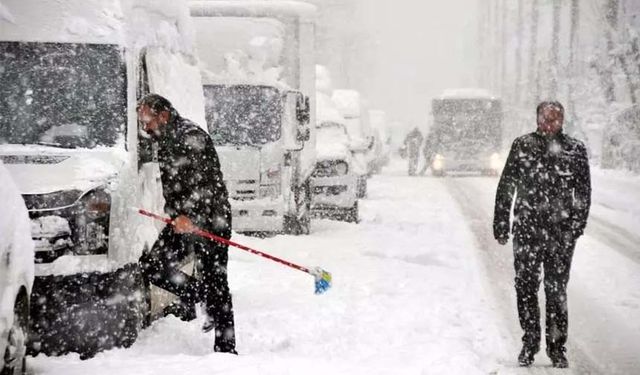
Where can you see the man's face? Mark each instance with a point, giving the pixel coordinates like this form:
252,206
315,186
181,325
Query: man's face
550,119
151,121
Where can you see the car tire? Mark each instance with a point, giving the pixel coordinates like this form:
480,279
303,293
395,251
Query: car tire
14,359
300,225
352,214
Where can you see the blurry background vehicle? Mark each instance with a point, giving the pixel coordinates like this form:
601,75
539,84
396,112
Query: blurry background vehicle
378,120
466,132
16,276
258,71
334,183
350,105
621,141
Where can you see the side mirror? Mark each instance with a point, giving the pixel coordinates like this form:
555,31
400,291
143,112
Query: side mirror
303,109
304,135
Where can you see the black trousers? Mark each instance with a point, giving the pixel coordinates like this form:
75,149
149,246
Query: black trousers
161,267
553,253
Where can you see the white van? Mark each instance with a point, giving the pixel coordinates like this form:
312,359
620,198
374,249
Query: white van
351,106
72,72
335,182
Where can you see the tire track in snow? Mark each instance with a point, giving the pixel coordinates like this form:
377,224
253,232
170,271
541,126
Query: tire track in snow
618,238
498,263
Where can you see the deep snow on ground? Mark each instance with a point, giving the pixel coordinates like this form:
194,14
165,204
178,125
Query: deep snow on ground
405,300
410,296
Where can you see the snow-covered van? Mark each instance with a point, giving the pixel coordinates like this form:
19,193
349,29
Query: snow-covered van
351,106
72,72
16,275
334,183
466,135
259,84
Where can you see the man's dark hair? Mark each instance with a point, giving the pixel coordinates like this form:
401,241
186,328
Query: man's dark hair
546,103
156,103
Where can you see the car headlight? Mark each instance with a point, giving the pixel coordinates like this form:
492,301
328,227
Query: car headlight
341,168
438,162
92,223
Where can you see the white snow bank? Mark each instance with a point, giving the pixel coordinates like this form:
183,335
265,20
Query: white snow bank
406,299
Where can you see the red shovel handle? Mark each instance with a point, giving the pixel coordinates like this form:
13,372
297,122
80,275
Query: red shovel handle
213,237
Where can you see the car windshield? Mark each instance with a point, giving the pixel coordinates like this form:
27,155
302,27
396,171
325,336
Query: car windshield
243,114
62,94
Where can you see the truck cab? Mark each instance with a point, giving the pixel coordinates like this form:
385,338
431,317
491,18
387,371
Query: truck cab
261,132
72,74
259,70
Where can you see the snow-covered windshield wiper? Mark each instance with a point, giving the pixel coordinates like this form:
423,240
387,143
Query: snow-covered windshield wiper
55,144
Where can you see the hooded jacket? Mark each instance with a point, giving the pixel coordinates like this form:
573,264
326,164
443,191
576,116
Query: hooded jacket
550,180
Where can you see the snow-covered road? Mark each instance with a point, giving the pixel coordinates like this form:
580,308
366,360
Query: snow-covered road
419,287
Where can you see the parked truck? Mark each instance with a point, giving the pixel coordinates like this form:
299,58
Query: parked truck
72,73
259,84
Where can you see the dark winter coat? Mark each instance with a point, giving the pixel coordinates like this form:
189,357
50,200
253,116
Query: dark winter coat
550,179
412,143
192,181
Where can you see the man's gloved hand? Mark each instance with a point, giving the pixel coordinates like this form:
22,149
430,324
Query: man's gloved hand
183,224
503,240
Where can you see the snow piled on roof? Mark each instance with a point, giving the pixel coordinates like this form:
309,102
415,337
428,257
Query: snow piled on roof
326,110
248,8
160,22
467,93
324,83
132,23
348,102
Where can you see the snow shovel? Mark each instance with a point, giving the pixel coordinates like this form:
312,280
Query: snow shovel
322,277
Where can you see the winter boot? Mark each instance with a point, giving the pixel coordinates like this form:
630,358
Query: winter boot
525,358
557,357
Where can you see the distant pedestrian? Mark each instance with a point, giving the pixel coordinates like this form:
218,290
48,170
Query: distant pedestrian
195,195
412,143
428,151
547,172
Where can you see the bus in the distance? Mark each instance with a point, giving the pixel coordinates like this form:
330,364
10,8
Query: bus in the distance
466,133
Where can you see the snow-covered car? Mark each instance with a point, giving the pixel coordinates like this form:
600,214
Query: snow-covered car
350,105
621,141
16,275
72,73
334,184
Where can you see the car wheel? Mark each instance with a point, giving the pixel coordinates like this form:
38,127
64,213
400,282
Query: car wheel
352,214
302,225
15,361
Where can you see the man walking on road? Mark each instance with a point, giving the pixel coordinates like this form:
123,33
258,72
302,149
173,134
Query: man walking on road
195,196
412,143
548,174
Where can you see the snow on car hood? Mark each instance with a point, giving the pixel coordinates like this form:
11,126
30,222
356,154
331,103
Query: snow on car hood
37,171
332,143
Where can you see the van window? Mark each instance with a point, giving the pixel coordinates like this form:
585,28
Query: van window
62,94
